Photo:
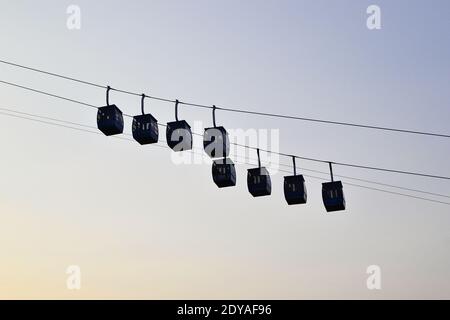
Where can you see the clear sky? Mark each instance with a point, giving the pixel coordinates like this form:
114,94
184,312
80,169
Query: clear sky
140,226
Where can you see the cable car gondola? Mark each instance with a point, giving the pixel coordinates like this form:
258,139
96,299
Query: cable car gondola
145,127
295,188
224,173
109,118
178,133
215,140
258,180
333,194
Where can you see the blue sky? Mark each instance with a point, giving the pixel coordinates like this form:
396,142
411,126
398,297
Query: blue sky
141,227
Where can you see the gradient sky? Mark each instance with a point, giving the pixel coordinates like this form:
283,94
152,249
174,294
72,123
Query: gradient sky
140,226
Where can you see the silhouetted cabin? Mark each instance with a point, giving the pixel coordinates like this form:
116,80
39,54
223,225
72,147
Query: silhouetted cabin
224,173
110,120
179,135
145,129
333,196
258,182
295,189
216,142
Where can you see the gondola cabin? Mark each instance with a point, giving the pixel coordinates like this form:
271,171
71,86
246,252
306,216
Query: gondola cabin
224,173
295,189
110,120
179,135
145,129
258,182
333,196
216,142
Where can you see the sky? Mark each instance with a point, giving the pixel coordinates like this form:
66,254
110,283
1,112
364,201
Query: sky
140,226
